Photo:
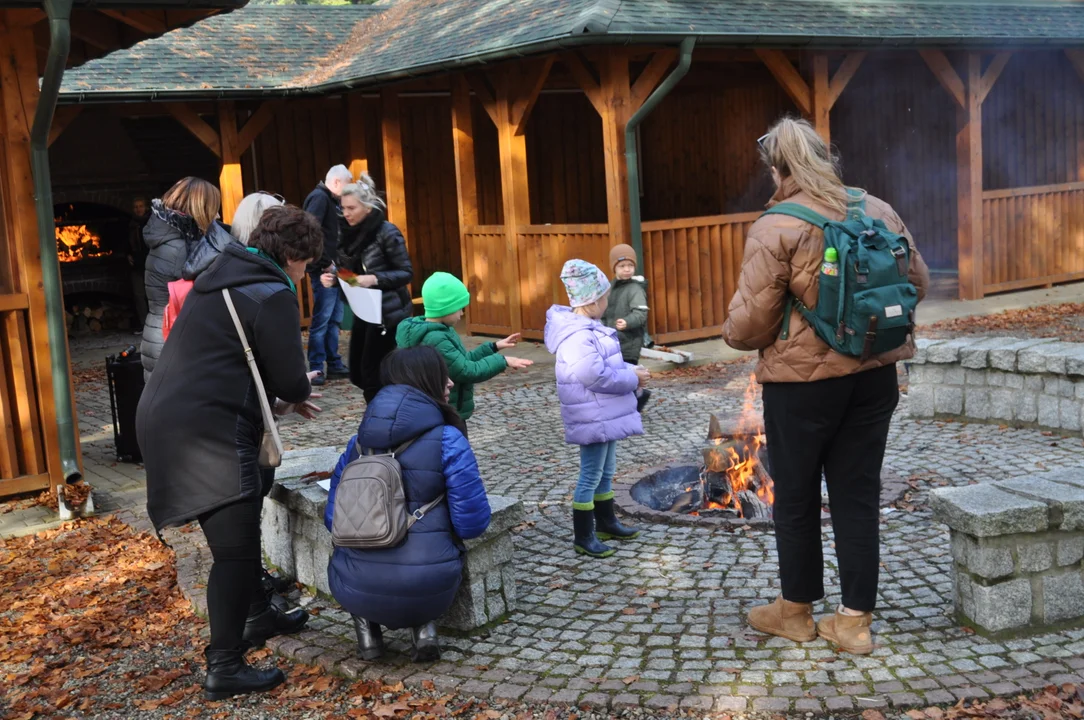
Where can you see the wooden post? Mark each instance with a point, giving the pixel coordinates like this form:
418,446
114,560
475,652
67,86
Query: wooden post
26,332
355,123
229,178
616,109
820,97
394,179
514,186
969,183
466,180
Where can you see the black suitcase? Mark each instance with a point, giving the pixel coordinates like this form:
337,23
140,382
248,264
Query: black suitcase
124,375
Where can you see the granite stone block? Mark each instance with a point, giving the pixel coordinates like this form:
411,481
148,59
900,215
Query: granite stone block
1063,596
1003,606
1004,357
1070,550
987,511
948,400
1066,500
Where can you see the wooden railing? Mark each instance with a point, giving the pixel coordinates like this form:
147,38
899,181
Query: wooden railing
1033,236
487,271
692,271
23,464
543,250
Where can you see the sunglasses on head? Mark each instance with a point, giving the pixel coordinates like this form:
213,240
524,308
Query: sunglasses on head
761,139
278,197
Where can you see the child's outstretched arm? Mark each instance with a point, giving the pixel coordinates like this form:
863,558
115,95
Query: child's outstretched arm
482,351
592,372
463,368
349,455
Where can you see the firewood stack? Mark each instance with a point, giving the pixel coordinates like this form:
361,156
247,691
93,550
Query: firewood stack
108,315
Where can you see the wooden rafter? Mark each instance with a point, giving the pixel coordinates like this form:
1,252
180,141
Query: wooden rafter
141,20
788,77
194,123
64,116
521,110
256,124
1076,57
993,72
481,89
96,30
651,75
585,79
946,75
843,76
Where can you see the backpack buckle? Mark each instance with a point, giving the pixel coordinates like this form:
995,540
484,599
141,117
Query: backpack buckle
417,514
901,259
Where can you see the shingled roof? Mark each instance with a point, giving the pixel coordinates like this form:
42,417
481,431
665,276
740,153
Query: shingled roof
304,49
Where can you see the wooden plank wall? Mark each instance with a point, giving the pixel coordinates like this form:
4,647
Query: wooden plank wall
487,279
543,250
895,129
565,164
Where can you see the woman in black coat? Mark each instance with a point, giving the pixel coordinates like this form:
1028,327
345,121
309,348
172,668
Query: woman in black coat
199,426
374,249
178,220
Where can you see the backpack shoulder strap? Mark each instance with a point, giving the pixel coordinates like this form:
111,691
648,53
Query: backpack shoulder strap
801,212
856,203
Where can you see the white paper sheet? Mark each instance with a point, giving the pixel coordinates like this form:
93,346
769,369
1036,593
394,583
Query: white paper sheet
365,302
325,484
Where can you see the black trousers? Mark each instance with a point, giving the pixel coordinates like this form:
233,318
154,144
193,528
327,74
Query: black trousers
839,426
369,345
233,588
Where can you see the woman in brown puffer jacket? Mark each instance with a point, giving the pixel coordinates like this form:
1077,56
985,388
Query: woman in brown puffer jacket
823,411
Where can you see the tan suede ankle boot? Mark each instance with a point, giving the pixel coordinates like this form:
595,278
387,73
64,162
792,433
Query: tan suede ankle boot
850,632
790,620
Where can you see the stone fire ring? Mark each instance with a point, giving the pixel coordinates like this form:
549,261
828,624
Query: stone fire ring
892,489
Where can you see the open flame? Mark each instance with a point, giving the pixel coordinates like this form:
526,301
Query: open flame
734,456
76,242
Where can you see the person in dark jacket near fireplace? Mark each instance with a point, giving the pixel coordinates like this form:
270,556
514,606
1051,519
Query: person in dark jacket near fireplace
178,221
200,425
374,250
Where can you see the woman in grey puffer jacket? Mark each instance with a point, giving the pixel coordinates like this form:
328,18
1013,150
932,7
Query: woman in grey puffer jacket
178,221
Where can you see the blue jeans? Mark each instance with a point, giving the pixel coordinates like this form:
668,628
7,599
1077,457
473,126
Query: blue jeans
597,465
327,314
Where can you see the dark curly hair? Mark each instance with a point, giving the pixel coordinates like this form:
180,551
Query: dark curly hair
288,233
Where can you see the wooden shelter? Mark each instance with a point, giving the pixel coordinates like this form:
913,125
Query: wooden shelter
30,454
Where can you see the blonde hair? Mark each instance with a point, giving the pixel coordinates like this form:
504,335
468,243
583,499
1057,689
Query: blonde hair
248,213
364,190
793,147
198,199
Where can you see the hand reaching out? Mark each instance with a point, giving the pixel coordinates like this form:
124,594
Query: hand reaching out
518,363
306,409
621,324
509,342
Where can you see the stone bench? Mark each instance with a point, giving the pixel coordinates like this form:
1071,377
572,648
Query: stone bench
1021,382
299,546
1017,547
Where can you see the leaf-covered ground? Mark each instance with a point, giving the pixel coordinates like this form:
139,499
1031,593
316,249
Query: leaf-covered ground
1064,321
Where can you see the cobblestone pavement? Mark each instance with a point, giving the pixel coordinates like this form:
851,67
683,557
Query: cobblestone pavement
659,625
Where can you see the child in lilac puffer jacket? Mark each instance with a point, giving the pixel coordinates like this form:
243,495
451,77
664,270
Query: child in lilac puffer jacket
598,405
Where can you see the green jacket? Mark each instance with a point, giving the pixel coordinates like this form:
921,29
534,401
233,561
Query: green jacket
464,368
628,300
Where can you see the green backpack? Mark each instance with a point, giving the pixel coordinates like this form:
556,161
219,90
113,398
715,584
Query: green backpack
867,306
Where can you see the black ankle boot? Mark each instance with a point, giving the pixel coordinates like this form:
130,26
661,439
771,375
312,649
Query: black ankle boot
585,542
642,399
426,643
271,583
370,638
607,526
228,674
272,621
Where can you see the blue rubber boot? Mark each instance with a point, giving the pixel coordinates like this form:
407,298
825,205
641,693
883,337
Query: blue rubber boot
585,542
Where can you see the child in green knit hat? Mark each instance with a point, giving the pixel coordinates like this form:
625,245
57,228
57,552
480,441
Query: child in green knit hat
444,297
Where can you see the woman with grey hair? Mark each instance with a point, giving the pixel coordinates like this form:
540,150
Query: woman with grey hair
374,249
248,213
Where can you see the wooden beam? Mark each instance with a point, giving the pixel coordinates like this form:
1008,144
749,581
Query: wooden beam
651,75
843,76
206,134
946,75
585,79
63,117
993,72
969,184
97,30
466,178
617,109
481,91
1076,57
789,78
229,179
821,97
394,177
514,187
521,111
141,20
256,124
355,128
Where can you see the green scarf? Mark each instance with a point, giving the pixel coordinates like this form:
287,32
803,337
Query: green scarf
265,256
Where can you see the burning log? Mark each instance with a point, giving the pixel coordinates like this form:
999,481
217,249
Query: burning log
717,458
753,507
687,501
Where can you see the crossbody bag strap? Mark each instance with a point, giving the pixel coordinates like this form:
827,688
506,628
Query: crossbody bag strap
423,510
265,406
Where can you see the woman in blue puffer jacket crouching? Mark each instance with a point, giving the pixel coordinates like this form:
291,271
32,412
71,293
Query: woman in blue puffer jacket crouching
414,583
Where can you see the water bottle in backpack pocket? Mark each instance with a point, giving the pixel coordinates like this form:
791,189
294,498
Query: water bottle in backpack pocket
865,301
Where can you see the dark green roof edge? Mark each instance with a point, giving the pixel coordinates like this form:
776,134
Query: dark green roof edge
566,43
